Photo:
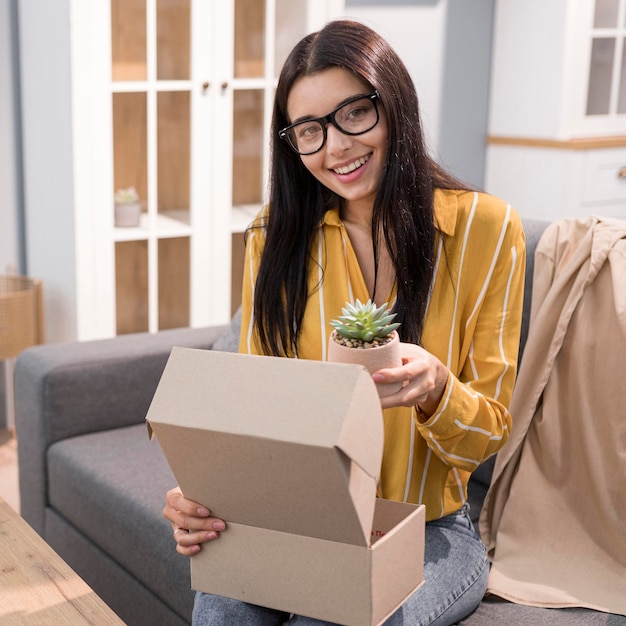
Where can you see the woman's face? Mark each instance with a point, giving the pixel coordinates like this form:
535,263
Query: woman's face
349,165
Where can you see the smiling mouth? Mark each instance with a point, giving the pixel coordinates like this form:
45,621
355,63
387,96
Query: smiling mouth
346,169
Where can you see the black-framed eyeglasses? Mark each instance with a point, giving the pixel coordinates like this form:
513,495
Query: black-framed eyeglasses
354,117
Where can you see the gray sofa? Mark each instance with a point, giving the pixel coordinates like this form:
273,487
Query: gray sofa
93,485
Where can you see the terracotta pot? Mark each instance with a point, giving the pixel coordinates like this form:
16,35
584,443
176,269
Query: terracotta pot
127,214
374,359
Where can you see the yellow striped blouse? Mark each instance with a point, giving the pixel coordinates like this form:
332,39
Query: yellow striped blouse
472,325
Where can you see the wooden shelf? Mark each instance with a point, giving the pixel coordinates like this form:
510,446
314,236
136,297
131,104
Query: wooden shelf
173,223
38,586
578,143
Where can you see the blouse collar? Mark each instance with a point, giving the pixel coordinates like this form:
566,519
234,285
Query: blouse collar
445,210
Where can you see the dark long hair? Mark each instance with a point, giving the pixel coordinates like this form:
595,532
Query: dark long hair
403,208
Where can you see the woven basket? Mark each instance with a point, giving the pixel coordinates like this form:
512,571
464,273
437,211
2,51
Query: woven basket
21,319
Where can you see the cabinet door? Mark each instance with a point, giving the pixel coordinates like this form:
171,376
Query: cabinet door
599,46
261,36
170,97
191,92
262,33
151,90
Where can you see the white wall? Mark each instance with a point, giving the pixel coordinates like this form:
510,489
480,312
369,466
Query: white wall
464,103
47,166
9,180
9,128
446,46
416,31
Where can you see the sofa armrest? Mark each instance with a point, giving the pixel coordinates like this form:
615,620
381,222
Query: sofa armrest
68,389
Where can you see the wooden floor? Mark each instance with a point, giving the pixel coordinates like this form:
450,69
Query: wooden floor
8,469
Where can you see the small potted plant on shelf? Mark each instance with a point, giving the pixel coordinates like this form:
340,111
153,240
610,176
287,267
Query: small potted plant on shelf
127,207
366,334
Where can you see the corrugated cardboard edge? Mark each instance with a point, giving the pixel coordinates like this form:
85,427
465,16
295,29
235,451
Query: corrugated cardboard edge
199,386
340,583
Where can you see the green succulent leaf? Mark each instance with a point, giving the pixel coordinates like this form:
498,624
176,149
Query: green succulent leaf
365,321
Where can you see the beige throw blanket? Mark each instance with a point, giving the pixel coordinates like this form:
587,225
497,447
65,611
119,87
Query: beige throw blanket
554,520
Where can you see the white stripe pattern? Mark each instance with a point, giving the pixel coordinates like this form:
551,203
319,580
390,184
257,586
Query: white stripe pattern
494,260
345,257
458,280
320,270
251,271
504,309
444,455
434,419
459,484
483,291
407,484
420,498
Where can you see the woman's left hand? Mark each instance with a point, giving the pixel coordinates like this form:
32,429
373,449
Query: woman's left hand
424,379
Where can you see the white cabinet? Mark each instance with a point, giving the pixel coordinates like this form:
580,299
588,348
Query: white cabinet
172,97
557,127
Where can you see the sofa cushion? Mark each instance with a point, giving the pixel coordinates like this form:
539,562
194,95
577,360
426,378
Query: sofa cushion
533,230
494,611
229,341
135,604
83,386
111,486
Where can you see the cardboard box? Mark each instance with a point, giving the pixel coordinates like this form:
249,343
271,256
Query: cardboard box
288,453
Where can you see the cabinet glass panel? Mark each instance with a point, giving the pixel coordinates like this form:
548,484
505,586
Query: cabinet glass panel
247,146
173,39
173,153
131,286
600,74
291,26
249,38
129,142
606,13
173,283
621,96
128,39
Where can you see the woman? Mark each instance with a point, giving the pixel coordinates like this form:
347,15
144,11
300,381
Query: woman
358,210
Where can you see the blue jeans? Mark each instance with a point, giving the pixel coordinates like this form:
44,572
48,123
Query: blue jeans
455,571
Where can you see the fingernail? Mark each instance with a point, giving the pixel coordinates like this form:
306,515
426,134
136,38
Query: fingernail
202,512
194,549
219,526
378,378
211,535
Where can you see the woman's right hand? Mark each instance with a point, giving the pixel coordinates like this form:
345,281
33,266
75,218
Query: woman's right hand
192,523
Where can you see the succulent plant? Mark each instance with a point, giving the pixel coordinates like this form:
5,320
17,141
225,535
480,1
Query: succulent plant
126,196
365,322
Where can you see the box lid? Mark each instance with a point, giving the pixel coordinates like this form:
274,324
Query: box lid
285,444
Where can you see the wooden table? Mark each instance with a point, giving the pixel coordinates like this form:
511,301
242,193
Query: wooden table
37,586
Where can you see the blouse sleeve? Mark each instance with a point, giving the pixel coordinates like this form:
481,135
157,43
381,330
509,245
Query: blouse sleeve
472,421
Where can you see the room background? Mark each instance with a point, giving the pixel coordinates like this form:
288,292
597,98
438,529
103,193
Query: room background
524,99
446,45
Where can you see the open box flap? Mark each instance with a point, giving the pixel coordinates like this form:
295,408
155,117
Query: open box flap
285,444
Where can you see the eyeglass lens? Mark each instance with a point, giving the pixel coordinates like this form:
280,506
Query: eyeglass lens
353,118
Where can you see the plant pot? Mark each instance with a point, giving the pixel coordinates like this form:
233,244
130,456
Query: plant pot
127,214
374,359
